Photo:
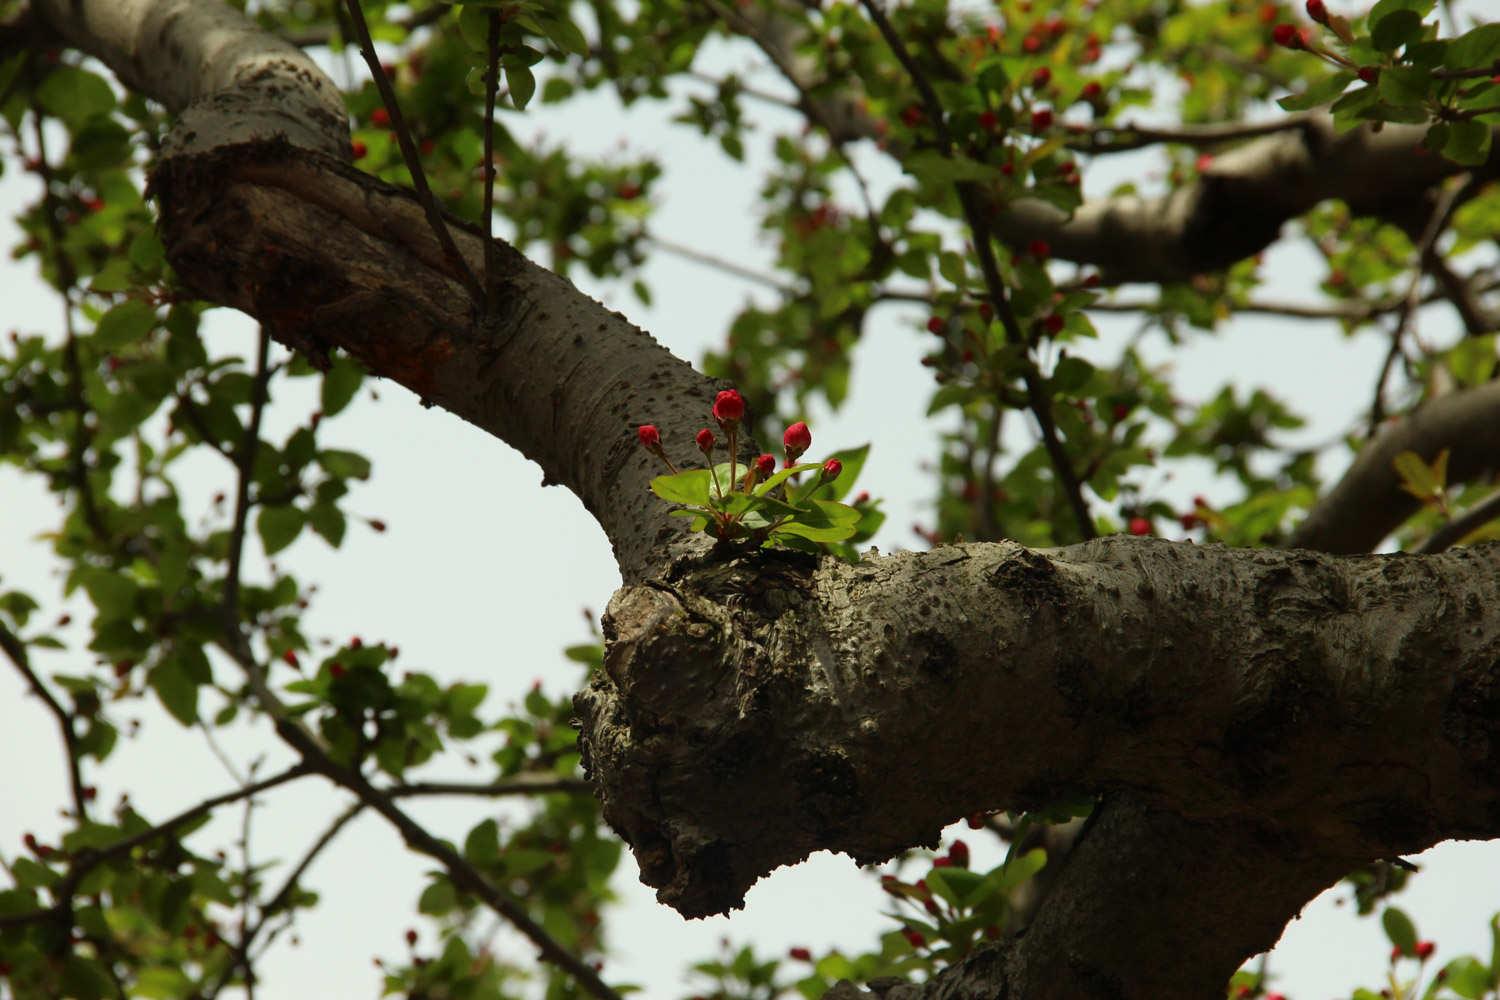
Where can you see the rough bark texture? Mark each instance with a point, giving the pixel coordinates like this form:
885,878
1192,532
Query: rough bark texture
1309,712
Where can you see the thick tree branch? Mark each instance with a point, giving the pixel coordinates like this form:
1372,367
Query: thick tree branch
327,257
751,713
1368,503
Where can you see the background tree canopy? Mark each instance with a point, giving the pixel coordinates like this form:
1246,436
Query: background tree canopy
1156,753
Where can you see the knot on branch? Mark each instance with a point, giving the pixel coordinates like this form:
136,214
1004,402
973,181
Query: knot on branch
717,745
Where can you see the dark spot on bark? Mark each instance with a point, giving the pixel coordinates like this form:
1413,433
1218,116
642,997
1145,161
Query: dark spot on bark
828,790
1030,577
935,654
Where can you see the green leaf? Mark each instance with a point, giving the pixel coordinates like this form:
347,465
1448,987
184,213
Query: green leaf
279,526
1319,93
1467,977
328,521
522,85
438,898
75,95
482,845
1071,375
178,691
1404,85
344,464
340,383
126,323
854,463
1468,142
1400,930
1398,28
933,167
691,487
1474,48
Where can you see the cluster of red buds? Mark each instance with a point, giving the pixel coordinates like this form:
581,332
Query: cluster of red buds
728,410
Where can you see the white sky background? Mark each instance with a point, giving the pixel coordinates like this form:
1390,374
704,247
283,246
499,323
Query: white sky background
482,575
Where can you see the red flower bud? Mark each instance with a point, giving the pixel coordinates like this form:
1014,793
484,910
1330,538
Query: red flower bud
799,954
765,465
1287,36
649,436
937,325
1053,323
1369,74
942,863
337,669
1091,91
796,440
358,149
988,121
914,938
1041,77
1318,11
959,854
1041,119
832,469
380,117
1140,526
1425,949
1040,249
290,659
729,407
705,439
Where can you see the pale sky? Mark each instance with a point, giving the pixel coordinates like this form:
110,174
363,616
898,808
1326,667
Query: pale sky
482,575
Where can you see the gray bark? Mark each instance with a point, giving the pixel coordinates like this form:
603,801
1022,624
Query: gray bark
1260,723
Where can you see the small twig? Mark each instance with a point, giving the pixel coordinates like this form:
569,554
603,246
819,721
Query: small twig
409,155
491,86
16,651
245,463
1038,401
280,900
721,264
521,784
88,859
1100,139
1450,198
1460,527
67,279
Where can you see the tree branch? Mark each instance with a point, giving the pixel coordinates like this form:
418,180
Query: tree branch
88,859
15,650
1212,693
1368,503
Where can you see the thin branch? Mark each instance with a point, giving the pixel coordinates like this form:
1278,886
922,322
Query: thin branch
1099,139
1462,526
15,649
88,859
721,264
463,874
323,34
409,156
1038,401
280,901
491,85
1449,198
245,462
67,279
521,784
